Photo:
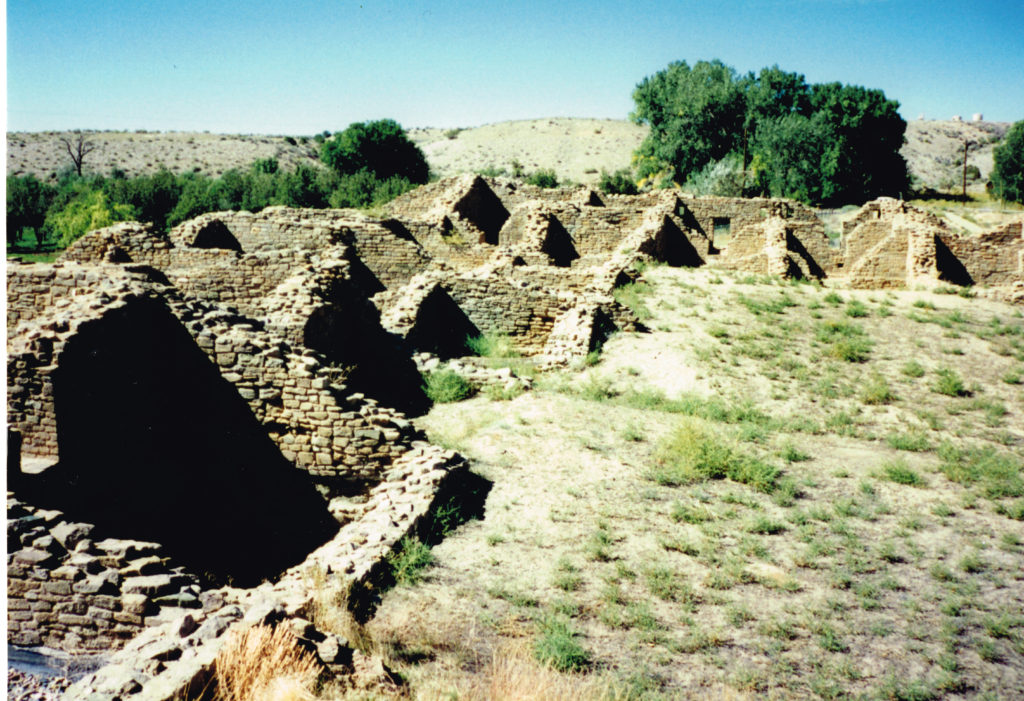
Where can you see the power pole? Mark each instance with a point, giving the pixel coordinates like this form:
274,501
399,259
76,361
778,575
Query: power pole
967,145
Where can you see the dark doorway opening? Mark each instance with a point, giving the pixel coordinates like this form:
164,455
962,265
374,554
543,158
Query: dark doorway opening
155,445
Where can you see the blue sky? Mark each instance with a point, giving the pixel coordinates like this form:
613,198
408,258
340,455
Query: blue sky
301,67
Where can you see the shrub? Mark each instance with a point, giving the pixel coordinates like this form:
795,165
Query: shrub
852,350
444,386
877,391
543,178
409,560
618,183
911,441
899,472
491,346
264,662
998,473
380,147
912,368
693,453
856,309
556,646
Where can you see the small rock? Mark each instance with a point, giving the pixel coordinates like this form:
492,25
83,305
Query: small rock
71,534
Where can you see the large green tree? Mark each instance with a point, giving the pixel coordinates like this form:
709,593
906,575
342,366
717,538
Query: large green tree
1008,173
88,210
381,148
695,114
824,144
27,202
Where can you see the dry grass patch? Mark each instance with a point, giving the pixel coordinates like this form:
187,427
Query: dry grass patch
265,664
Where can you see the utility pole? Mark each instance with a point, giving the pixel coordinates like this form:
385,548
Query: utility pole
967,145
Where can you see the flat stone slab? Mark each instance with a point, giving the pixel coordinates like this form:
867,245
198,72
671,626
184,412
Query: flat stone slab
150,585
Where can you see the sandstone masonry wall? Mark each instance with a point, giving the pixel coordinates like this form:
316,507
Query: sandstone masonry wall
992,258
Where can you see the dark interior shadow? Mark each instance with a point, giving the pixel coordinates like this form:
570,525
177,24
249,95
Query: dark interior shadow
347,333
216,234
155,445
558,244
398,229
670,245
949,266
441,327
362,277
484,209
795,245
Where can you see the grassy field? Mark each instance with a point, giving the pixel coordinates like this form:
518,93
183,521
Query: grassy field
781,491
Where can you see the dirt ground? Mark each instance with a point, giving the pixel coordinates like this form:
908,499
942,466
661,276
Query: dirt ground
886,560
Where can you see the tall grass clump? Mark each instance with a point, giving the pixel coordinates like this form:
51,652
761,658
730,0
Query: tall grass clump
443,386
631,296
694,453
877,390
492,346
557,647
409,561
900,472
264,663
949,382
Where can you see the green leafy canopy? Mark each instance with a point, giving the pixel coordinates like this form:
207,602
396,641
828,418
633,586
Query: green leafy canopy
768,134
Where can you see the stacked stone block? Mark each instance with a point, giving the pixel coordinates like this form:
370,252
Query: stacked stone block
69,591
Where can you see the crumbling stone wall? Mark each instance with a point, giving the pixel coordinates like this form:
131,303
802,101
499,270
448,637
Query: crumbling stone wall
522,310
311,414
992,258
69,591
781,245
124,242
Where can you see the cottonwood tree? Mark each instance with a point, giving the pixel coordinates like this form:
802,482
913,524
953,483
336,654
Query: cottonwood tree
78,148
771,133
1008,173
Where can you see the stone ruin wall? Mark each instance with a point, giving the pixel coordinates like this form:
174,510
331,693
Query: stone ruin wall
83,595
892,244
317,422
67,591
278,279
991,258
524,311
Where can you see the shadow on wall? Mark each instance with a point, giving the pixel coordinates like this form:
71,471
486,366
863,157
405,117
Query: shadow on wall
949,266
216,234
670,245
155,445
483,209
795,246
441,327
558,244
380,364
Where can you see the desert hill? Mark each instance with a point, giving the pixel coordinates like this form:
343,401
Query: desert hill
577,149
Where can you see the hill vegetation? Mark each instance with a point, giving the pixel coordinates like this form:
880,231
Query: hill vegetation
370,163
